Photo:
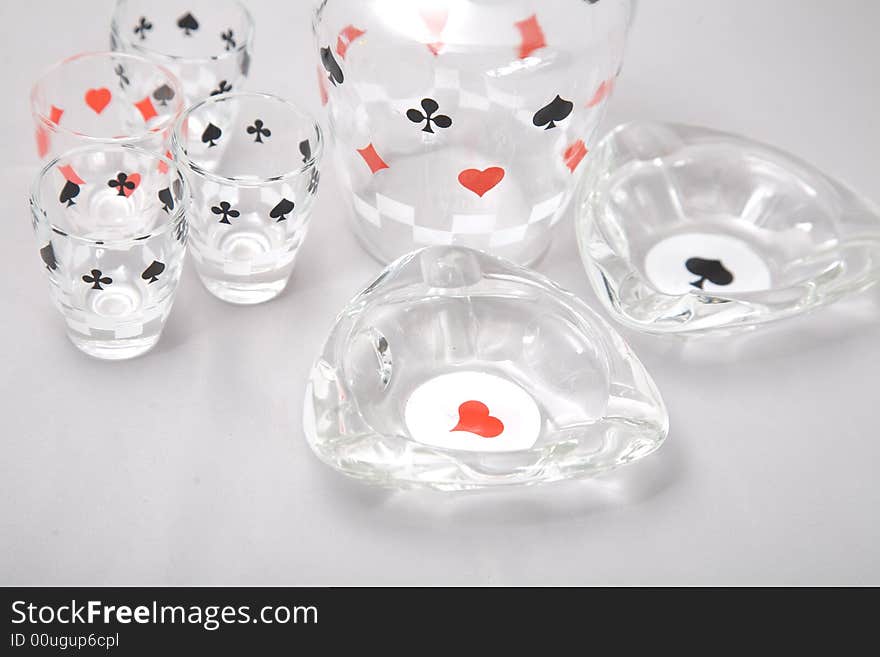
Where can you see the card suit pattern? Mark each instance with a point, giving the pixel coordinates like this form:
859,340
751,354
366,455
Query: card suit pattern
98,99
574,154
372,158
70,175
146,108
347,35
532,36
602,92
435,20
480,182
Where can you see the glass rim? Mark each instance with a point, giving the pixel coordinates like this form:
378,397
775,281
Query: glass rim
173,218
146,51
47,121
245,181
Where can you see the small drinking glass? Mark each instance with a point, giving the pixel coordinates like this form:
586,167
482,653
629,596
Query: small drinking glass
206,43
251,161
111,230
104,97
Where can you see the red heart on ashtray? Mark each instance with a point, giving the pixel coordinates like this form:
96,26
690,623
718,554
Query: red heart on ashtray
480,182
473,417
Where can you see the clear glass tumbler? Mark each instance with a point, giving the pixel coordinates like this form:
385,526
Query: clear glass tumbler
111,230
206,43
252,163
465,122
105,97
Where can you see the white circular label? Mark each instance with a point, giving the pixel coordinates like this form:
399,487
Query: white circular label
703,261
473,411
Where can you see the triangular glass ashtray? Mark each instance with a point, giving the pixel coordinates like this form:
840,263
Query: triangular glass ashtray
456,370
689,230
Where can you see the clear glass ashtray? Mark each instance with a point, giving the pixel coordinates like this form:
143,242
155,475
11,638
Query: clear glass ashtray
455,370
690,230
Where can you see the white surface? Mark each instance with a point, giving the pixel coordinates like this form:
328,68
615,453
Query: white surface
188,466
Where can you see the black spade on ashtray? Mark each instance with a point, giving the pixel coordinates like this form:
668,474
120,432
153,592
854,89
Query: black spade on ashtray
708,270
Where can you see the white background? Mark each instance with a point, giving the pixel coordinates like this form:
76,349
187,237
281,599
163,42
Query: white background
188,466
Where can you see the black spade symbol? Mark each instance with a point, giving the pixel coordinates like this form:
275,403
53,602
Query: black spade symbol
211,134
283,208
306,149
708,270
167,199
47,253
556,110
163,94
69,192
151,273
330,63
188,23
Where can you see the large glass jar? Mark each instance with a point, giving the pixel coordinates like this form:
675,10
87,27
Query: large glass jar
465,122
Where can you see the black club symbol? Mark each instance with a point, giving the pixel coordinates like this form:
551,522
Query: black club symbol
226,210
228,38
430,106
222,88
120,72
143,27
121,182
97,279
258,130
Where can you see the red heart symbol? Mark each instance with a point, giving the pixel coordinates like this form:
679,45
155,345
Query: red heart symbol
473,416
132,178
98,99
480,182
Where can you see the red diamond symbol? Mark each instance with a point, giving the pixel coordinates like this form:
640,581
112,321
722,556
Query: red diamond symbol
435,21
574,154
605,88
145,107
42,141
371,157
55,114
346,35
163,168
532,36
71,175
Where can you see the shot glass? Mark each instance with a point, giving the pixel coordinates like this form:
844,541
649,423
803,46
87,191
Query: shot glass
105,97
206,43
111,229
252,163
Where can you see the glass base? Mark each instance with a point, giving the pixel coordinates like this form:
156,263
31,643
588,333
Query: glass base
114,349
244,294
